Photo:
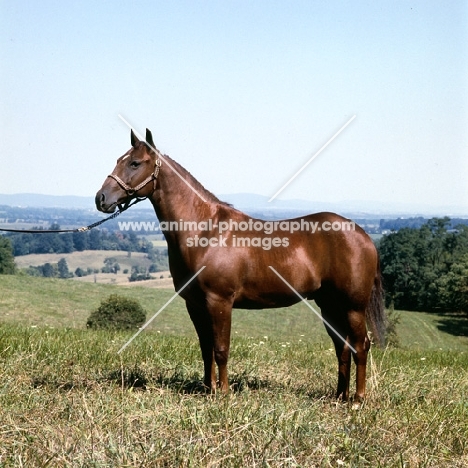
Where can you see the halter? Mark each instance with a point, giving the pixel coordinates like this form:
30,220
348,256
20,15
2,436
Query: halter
132,190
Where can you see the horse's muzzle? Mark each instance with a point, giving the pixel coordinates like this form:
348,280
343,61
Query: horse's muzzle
102,204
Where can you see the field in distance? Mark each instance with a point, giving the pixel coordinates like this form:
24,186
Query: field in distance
95,259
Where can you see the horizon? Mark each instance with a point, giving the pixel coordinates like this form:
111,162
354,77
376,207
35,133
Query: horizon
241,201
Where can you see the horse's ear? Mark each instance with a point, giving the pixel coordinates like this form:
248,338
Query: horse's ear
133,139
149,139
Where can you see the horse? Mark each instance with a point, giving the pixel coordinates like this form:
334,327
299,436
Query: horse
221,259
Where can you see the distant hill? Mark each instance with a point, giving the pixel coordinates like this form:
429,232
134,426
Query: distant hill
254,203
352,208
34,200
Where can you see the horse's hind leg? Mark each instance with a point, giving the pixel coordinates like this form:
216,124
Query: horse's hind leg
350,338
361,344
343,354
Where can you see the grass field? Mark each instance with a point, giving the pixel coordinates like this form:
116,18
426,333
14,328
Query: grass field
68,399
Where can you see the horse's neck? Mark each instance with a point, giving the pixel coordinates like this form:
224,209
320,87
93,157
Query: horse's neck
180,196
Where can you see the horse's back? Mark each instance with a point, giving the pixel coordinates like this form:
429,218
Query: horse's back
318,251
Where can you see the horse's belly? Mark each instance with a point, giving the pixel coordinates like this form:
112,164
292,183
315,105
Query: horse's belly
266,302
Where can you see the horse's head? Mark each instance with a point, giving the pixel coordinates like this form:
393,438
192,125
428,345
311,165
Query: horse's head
134,176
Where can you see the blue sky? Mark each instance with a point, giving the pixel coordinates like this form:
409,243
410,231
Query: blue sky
242,94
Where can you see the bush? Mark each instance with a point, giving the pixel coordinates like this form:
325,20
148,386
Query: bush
117,313
139,274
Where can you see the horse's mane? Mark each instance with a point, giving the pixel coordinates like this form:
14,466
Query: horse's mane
195,184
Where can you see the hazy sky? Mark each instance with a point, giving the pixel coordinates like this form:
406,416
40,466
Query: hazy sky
241,93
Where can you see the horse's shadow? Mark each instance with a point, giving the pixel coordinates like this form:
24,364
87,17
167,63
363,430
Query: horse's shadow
179,382
193,385
136,379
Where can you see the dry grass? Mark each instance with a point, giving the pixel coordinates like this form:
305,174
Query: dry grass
87,258
66,399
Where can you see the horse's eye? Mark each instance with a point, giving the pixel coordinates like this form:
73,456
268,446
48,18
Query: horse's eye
134,164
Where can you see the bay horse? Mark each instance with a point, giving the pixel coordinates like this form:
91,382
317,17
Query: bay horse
338,268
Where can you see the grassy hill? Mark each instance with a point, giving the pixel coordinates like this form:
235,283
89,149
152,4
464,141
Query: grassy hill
66,303
68,399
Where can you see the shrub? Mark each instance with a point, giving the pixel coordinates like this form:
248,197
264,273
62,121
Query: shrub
117,313
139,274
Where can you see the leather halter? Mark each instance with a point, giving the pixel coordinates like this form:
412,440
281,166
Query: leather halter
132,190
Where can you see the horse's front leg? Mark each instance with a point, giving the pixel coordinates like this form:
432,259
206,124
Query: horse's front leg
220,312
202,322
343,354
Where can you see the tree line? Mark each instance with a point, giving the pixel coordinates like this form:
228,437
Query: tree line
416,223
95,239
426,269
17,244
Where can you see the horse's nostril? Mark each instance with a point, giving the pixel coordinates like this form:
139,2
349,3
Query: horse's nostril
99,200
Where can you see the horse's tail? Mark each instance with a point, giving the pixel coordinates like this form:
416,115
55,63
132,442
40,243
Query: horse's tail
375,311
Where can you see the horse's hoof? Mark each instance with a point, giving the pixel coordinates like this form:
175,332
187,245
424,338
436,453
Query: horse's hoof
357,402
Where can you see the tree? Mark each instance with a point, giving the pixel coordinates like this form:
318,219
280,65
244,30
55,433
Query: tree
48,270
453,286
80,240
139,274
95,239
67,241
79,272
110,266
426,268
63,271
399,264
7,260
